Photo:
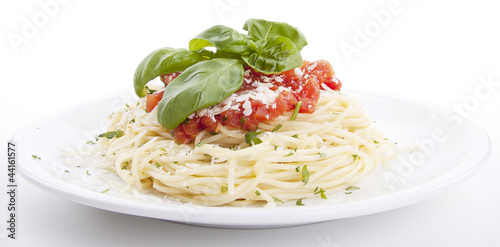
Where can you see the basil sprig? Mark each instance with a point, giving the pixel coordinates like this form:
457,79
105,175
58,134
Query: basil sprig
210,77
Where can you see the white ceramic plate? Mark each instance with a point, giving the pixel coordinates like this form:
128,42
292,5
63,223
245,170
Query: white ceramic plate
440,149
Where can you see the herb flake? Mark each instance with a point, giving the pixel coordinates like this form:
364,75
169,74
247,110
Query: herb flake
277,128
296,111
305,175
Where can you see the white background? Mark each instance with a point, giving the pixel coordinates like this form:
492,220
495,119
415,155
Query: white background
432,51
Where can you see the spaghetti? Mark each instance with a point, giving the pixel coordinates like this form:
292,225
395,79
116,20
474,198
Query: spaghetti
315,155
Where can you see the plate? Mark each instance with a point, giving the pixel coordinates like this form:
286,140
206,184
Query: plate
438,150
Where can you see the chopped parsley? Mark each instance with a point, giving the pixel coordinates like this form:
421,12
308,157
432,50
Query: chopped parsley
36,157
276,199
350,189
355,156
305,174
242,120
223,188
375,141
320,191
296,136
199,144
104,191
297,169
296,111
257,193
299,202
251,138
277,128
110,134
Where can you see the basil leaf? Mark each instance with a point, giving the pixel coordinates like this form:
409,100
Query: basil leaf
275,55
162,61
259,29
224,39
206,54
199,86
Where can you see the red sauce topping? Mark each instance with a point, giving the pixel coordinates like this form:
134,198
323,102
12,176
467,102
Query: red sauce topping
302,84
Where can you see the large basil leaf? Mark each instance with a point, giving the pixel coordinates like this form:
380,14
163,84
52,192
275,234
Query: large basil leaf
224,39
162,61
259,29
206,54
275,55
199,86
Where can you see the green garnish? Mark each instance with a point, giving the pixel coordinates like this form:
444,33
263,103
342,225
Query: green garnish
350,189
297,169
256,141
320,191
257,193
277,128
110,134
296,136
305,174
210,77
199,144
36,157
251,138
299,202
223,188
87,172
375,141
296,111
157,165
355,156
242,120
104,191
276,199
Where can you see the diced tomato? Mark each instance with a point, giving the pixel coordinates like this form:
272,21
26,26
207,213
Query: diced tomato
182,137
334,84
260,112
191,127
302,84
209,124
167,78
152,100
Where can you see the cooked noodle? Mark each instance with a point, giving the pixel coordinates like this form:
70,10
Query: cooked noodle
337,143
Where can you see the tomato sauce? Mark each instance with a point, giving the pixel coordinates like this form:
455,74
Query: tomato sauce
302,85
